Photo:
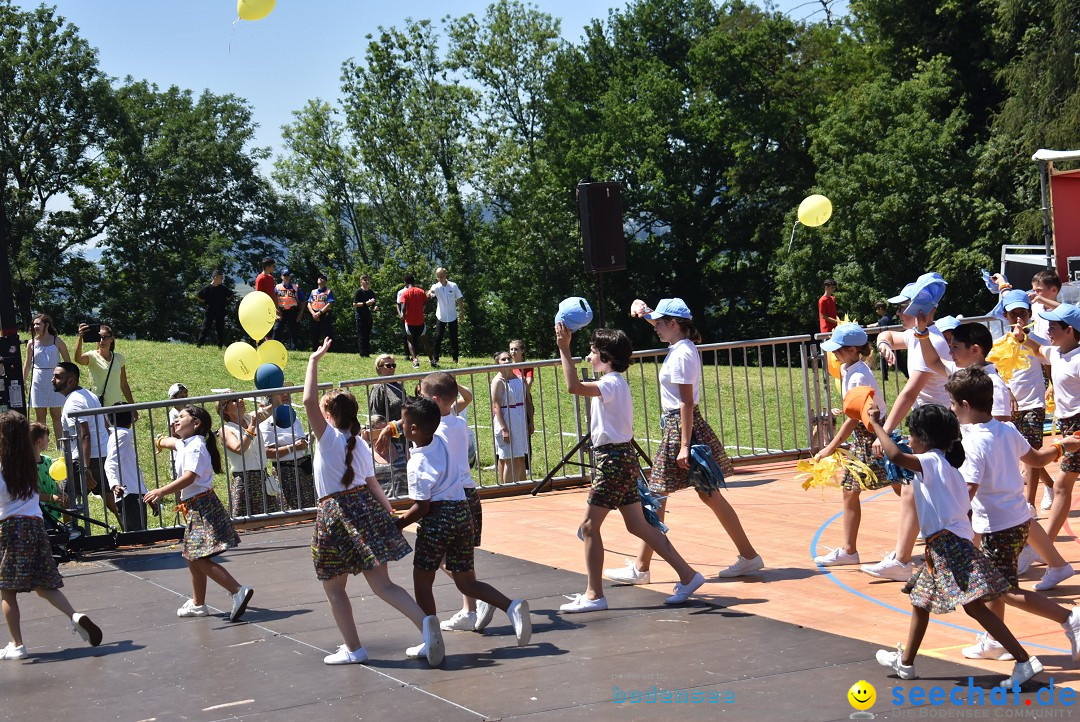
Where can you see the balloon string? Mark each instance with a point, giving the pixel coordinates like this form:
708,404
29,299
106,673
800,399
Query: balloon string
232,33
792,236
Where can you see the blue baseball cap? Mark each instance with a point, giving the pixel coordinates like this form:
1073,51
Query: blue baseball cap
846,334
904,295
1015,299
927,293
575,313
948,323
1066,313
674,307
286,272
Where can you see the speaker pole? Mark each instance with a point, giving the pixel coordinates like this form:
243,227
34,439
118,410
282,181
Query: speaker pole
601,316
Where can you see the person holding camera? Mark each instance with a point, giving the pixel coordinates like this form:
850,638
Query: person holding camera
108,373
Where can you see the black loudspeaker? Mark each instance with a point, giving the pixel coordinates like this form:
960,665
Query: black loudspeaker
600,213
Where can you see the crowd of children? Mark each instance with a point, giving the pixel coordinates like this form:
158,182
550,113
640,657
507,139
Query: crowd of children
974,459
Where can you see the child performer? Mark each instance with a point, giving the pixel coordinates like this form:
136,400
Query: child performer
440,506
955,572
849,343
999,510
682,422
354,526
617,470
209,530
26,561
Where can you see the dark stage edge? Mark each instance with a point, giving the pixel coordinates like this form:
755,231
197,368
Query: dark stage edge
153,665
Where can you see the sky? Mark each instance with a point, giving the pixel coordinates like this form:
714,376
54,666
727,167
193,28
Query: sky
293,55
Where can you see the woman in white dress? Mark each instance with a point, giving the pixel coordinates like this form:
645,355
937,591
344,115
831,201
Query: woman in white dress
44,351
511,408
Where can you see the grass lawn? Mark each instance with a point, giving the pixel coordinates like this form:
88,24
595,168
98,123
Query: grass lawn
753,408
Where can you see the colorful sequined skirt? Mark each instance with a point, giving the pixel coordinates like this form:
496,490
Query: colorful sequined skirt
26,560
955,574
210,530
354,533
666,476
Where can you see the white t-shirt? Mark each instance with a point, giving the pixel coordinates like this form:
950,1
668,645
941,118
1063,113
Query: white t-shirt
195,457
991,451
80,400
1065,373
454,432
121,466
941,497
612,411
446,301
1002,396
274,435
681,366
933,392
252,458
431,475
329,463
9,506
1029,386
1039,325
859,374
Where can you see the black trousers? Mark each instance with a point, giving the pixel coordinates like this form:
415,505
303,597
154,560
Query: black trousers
132,512
440,329
363,334
219,325
289,324
321,328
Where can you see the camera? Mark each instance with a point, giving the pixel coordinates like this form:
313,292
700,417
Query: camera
93,333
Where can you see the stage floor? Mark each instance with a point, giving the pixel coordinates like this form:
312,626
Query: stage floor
785,643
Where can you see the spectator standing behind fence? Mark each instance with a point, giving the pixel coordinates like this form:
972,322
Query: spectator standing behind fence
247,464
215,297
287,449
363,307
108,368
884,321
826,306
511,408
290,309
410,302
320,306
265,281
449,304
43,351
123,473
89,437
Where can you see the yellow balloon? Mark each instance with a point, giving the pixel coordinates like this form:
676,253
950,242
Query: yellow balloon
815,210
241,360
58,470
273,352
254,9
257,314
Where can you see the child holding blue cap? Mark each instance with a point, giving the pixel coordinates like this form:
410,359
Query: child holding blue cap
683,425
850,344
1063,356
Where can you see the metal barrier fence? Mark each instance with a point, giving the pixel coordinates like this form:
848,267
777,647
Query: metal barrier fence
765,398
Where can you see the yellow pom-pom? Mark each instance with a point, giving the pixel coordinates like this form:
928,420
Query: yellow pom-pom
1009,356
830,471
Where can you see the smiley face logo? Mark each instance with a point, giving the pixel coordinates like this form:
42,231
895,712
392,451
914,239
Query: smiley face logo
862,695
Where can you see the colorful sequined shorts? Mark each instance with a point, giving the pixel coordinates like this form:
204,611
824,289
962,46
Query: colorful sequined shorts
445,532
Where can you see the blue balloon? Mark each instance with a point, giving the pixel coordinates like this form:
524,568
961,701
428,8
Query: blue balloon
269,376
284,416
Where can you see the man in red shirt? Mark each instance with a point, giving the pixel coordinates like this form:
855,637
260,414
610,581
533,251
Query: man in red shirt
410,305
265,281
826,307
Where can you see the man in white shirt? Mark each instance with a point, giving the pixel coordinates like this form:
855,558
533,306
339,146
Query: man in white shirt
89,432
450,302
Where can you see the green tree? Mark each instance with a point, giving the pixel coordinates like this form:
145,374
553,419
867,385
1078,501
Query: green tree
57,114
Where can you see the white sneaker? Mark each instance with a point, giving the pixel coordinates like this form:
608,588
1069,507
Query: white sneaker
1048,498
344,656
836,557
518,611
13,652
90,632
1053,577
1031,511
628,574
581,603
986,647
484,614
462,621
891,659
683,591
433,642
416,652
1072,631
889,568
743,566
1022,672
191,609
239,602
1028,556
